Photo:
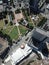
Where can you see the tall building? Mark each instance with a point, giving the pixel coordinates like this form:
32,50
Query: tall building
35,5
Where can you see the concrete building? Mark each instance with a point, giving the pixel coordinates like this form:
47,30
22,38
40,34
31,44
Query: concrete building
1,6
27,3
38,36
4,4
41,2
7,2
3,47
35,5
18,55
47,1
41,40
21,4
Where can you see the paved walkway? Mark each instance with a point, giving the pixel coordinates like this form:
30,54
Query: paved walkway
11,29
18,31
17,26
32,22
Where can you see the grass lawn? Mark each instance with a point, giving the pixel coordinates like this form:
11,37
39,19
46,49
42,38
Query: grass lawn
1,24
22,29
14,33
7,30
31,23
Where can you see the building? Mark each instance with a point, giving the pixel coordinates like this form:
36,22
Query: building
47,1
37,35
7,2
35,5
4,4
26,3
41,32
3,47
18,55
19,4
24,22
41,2
1,6
41,40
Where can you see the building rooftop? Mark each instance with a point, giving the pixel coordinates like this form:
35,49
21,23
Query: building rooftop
40,34
41,31
3,44
19,54
1,8
37,34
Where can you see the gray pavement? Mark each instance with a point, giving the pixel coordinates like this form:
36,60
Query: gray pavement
45,14
46,11
32,57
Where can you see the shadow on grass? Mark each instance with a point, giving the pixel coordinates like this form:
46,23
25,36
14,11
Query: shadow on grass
5,36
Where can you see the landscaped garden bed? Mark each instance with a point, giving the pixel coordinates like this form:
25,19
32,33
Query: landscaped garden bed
41,23
1,24
14,33
30,22
22,29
